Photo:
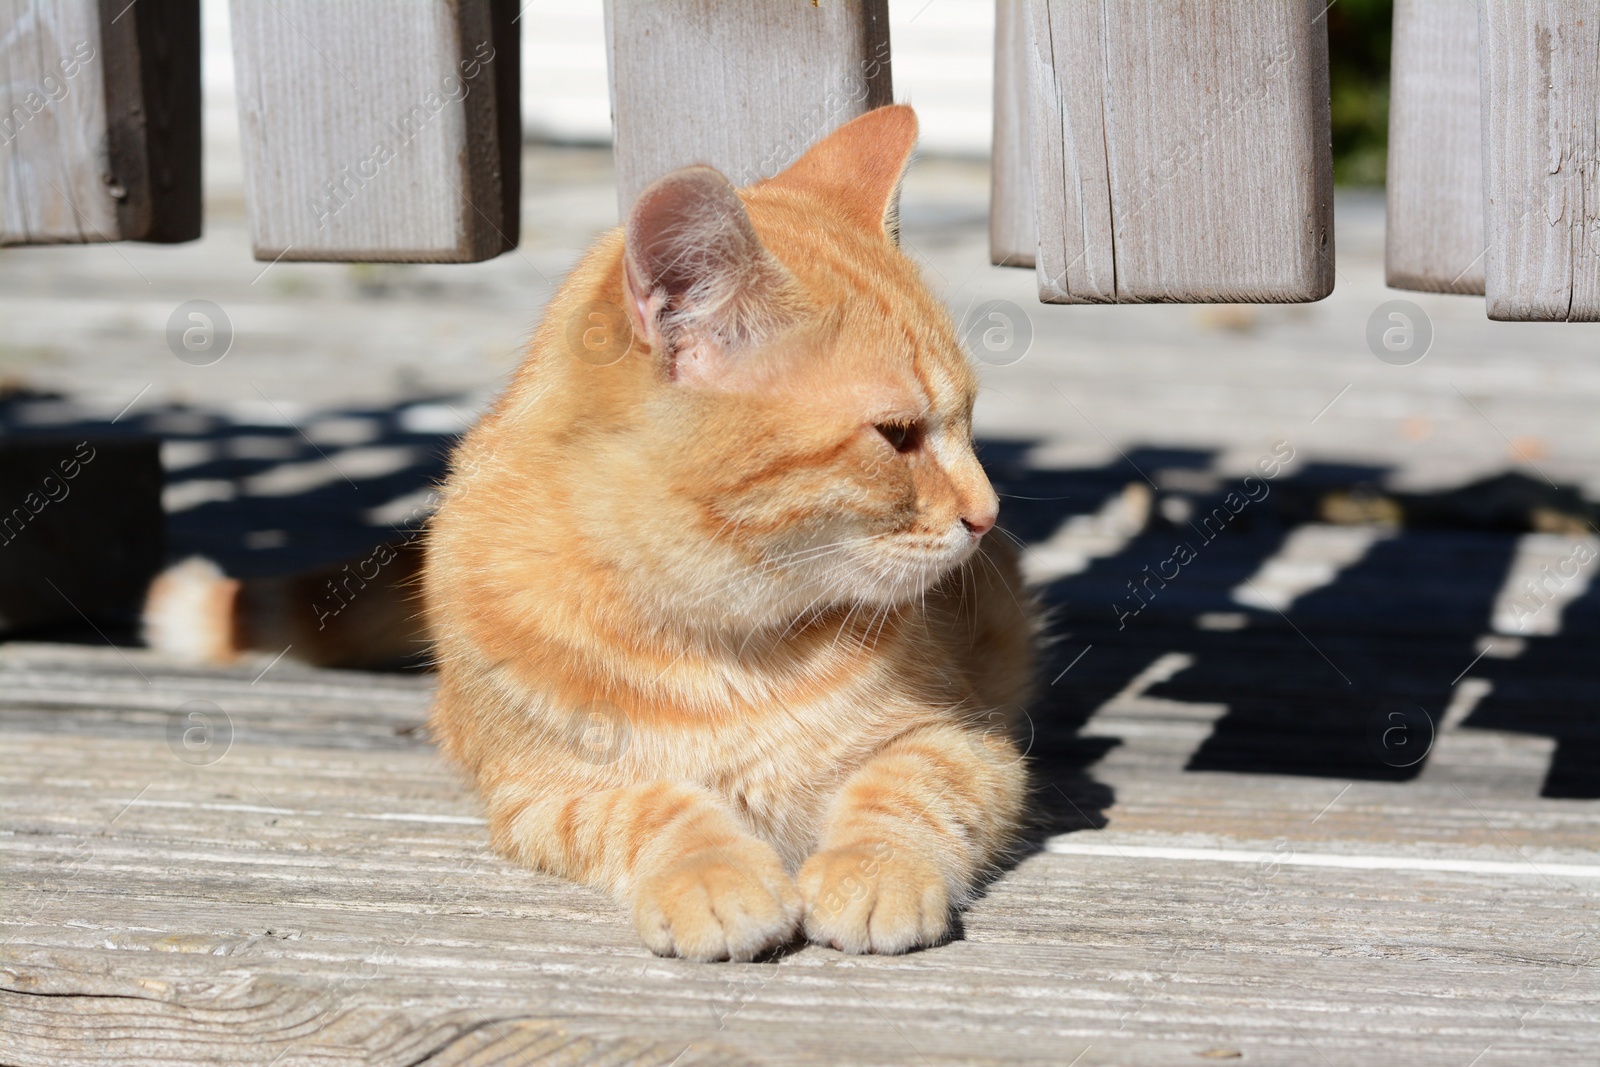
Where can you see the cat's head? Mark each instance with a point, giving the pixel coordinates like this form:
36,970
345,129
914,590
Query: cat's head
801,432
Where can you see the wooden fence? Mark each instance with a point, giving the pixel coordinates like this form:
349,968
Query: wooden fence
1142,151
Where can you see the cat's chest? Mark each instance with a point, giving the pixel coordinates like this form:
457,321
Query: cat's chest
777,769
790,744
813,728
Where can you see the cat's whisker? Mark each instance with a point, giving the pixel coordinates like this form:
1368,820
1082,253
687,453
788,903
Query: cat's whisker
717,584
800,555
797,620
882,622
1013,538
731,524
1003,583
801,618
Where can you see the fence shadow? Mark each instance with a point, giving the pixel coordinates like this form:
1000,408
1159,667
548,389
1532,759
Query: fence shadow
1350,680
1353,678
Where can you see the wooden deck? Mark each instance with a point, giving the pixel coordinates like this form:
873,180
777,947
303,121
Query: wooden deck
1234,858
321,893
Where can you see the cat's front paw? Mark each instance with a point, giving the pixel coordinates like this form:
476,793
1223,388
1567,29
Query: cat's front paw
732,902
874,898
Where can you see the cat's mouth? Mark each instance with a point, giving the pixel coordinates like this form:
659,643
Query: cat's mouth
908,564
884,568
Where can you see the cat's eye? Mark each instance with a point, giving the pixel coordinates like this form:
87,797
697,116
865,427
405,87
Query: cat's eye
902,436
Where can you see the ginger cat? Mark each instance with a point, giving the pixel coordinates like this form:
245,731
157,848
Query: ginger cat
716,623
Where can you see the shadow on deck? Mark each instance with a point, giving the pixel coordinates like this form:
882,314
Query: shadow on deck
1349,680
1352,679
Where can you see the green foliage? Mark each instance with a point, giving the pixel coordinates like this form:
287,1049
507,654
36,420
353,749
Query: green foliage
1358,72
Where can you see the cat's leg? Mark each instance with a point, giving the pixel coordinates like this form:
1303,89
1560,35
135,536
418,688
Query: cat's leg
908,836
700,884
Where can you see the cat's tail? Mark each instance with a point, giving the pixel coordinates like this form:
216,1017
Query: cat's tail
362,612
188,612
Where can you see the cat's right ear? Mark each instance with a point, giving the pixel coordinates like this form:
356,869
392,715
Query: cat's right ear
699,284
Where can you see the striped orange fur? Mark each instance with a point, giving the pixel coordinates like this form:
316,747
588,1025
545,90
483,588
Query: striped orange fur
717,622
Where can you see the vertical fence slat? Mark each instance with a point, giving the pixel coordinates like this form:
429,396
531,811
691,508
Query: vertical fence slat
391,138
1434,234
743,87
99,121
55,134
1013,240
1072,202
1181,152
153,115
1540,70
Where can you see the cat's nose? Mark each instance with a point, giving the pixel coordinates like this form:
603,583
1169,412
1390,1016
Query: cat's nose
979,524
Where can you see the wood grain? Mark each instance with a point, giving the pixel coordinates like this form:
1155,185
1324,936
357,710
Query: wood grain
745,88
1013,238
390,139
311,885
52,101
1434,234
1540,71
99,121
1181,152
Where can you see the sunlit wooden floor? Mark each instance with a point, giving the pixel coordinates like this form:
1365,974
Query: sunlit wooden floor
208,866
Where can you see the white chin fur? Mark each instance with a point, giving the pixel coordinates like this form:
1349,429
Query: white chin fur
188,612
899,584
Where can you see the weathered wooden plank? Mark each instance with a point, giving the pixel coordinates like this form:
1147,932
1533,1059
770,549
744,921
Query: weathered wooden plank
1540,71
67,1008
53,99
99,121
1434,233
302,900
152,57
274,928
745,88
1075,252
1181,151
390,139
1013,238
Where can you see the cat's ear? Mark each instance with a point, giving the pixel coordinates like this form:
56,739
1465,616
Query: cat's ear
699,284
857,168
